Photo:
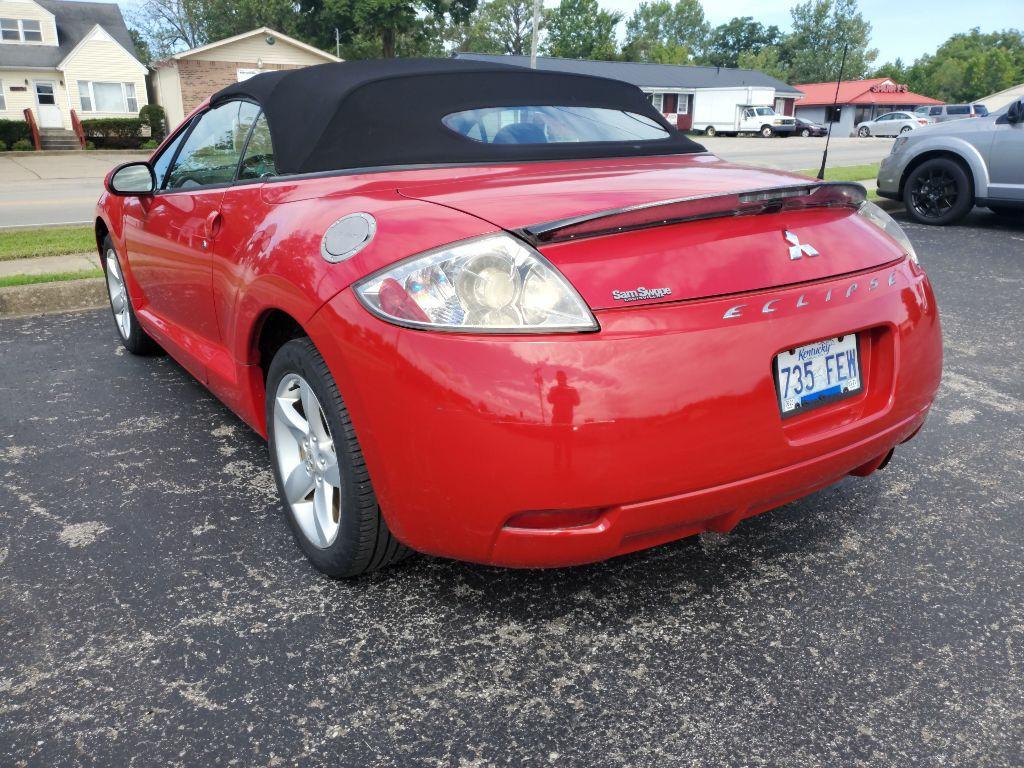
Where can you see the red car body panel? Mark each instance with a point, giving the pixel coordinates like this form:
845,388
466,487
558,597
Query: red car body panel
663,423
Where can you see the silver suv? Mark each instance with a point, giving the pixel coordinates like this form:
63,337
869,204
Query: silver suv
941,171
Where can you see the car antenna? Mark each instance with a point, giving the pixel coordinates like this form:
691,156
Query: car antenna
828,137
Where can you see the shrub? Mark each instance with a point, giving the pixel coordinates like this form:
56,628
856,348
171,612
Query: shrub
114,132
12,130
22,145
90,145
152,116
150,144
3,145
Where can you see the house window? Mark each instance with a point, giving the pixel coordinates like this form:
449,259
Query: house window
3,104
20,31
658,100
107,97
832,114
684,104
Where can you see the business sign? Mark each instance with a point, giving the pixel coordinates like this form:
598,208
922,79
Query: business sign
889,88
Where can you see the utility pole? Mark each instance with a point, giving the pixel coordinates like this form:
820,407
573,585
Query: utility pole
337,43
533,37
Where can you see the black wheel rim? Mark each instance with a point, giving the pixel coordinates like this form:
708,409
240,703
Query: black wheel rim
934,193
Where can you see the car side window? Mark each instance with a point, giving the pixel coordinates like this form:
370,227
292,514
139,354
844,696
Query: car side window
163,162
959,109
258,160
935,111
212,150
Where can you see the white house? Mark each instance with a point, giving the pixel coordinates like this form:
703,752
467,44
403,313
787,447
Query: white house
184,81
57,56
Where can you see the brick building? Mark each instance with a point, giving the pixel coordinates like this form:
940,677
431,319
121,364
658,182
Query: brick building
185,80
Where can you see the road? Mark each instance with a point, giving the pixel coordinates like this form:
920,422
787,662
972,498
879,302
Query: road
51,188
154,610
62,189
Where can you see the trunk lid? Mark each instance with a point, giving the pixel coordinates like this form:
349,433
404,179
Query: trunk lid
669,261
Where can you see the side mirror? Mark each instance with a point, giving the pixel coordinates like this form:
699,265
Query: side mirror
1015,114
132,179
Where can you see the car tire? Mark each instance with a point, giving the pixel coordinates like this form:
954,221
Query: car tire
133,338
938,192
805,133
766,131
906,129
325,488
863,131
1007,211
710,132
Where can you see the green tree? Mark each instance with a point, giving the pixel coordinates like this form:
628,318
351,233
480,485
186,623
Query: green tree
894,70
500,26
664,32
384,28
226,18
580,29
821,28
170,25
738,35
970,65
765,60
142,49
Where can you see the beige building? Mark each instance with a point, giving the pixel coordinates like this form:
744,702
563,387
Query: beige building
999,100
184,81
57,56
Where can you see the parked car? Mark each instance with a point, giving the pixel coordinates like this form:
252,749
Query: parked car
890,124
543,333
942,171
945,112
807,128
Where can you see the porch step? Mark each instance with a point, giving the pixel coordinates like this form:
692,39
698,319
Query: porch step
58,138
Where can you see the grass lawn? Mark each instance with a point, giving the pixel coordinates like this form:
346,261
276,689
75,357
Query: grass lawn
46,241
54,277
846,172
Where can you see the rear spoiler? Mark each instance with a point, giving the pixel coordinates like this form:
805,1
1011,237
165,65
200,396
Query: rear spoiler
657,214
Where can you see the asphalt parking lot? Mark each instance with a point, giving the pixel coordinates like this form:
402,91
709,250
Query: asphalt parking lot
154,611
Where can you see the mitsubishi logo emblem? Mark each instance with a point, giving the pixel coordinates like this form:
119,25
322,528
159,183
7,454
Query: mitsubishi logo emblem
796,249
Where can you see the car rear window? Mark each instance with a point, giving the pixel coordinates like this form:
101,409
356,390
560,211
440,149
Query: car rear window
981,110
552,125
958,109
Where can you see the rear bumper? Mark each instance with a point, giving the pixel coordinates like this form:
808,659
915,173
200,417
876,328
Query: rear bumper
666,421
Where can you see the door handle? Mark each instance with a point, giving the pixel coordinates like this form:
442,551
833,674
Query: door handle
213,222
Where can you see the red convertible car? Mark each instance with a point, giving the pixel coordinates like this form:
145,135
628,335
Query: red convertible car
512,316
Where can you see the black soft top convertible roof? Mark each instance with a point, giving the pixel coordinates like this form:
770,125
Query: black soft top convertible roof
364,114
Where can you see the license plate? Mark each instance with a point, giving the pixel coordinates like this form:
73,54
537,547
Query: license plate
817,374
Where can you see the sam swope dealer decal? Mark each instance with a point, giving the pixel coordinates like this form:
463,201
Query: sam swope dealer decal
641,293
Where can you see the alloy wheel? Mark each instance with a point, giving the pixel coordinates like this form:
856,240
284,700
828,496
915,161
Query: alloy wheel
118,295
864,132
933,193
307,461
